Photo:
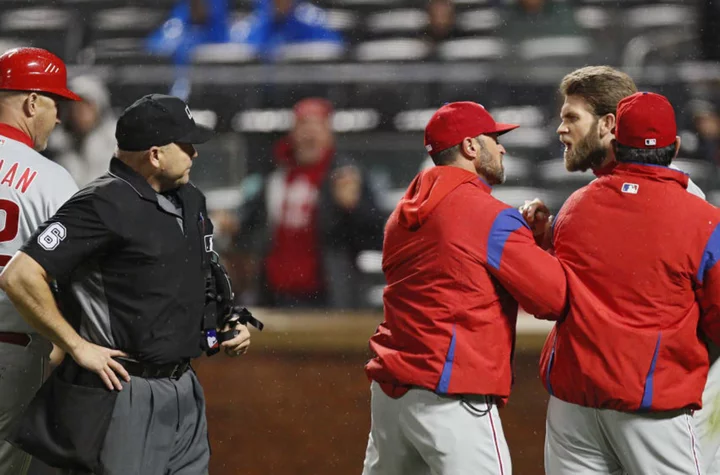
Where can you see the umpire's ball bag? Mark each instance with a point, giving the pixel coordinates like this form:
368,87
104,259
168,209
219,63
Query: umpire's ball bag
66,422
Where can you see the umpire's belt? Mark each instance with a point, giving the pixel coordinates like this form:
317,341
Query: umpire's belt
154,371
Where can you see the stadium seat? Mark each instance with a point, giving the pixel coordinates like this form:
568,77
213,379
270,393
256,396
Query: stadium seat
126,22
478,22
660,16
395,49
593,18
222,53
54,29
398,22
121,51
477,49
317,51
344,21
556,47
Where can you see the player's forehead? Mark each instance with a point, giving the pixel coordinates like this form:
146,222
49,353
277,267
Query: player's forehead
575,105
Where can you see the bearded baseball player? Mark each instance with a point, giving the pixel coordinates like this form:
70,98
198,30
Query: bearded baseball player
591,97
32,188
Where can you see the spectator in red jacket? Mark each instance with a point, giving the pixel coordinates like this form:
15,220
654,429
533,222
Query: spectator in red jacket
307,221
457,263
626,366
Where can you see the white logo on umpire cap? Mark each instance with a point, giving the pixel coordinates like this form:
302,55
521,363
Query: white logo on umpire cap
187,111
209,243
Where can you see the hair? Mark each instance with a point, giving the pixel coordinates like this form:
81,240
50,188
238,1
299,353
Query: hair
649,156
602,87
449,155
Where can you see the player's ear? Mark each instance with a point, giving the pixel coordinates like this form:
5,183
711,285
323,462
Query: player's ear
606,124
30,105
677,146
469,149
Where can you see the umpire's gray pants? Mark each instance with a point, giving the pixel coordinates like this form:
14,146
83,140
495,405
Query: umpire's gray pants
158,427
22,370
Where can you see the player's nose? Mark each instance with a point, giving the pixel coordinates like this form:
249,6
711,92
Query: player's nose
562,129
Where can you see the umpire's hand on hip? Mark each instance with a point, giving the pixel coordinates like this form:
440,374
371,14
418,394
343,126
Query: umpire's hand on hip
99,360
238,345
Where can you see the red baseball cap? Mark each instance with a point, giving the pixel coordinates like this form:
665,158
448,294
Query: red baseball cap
454,122
645,120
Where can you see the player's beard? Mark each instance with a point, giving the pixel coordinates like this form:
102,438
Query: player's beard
588,153
493,171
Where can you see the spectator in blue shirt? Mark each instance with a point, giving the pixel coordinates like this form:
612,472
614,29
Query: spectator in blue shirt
275,23
191,23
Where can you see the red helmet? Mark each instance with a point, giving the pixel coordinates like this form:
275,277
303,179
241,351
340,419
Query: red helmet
34,69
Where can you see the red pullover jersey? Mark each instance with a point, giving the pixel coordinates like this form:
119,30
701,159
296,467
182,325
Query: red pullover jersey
456,262
639,252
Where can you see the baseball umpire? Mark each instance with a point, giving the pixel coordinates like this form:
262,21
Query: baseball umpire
132,252
32,188
457,262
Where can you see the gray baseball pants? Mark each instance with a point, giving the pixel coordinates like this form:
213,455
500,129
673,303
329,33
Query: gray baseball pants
158,427
22,372
423,433
586,441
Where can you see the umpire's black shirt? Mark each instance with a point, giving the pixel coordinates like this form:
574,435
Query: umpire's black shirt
136,277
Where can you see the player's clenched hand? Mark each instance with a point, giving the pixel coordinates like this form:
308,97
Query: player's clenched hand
537,215
100,361
238,345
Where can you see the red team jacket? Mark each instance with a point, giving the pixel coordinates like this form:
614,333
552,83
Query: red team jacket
640,253
454,257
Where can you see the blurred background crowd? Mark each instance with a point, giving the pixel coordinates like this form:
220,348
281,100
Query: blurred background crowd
320,107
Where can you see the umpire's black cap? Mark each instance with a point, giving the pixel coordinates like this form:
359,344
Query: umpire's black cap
155,120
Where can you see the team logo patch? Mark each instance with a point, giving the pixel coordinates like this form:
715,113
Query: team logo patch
211,338
209,243
650,142
630,188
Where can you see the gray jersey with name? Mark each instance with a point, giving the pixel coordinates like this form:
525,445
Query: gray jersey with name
32,188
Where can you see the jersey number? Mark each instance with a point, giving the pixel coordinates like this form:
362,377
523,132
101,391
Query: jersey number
52,236
10,227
